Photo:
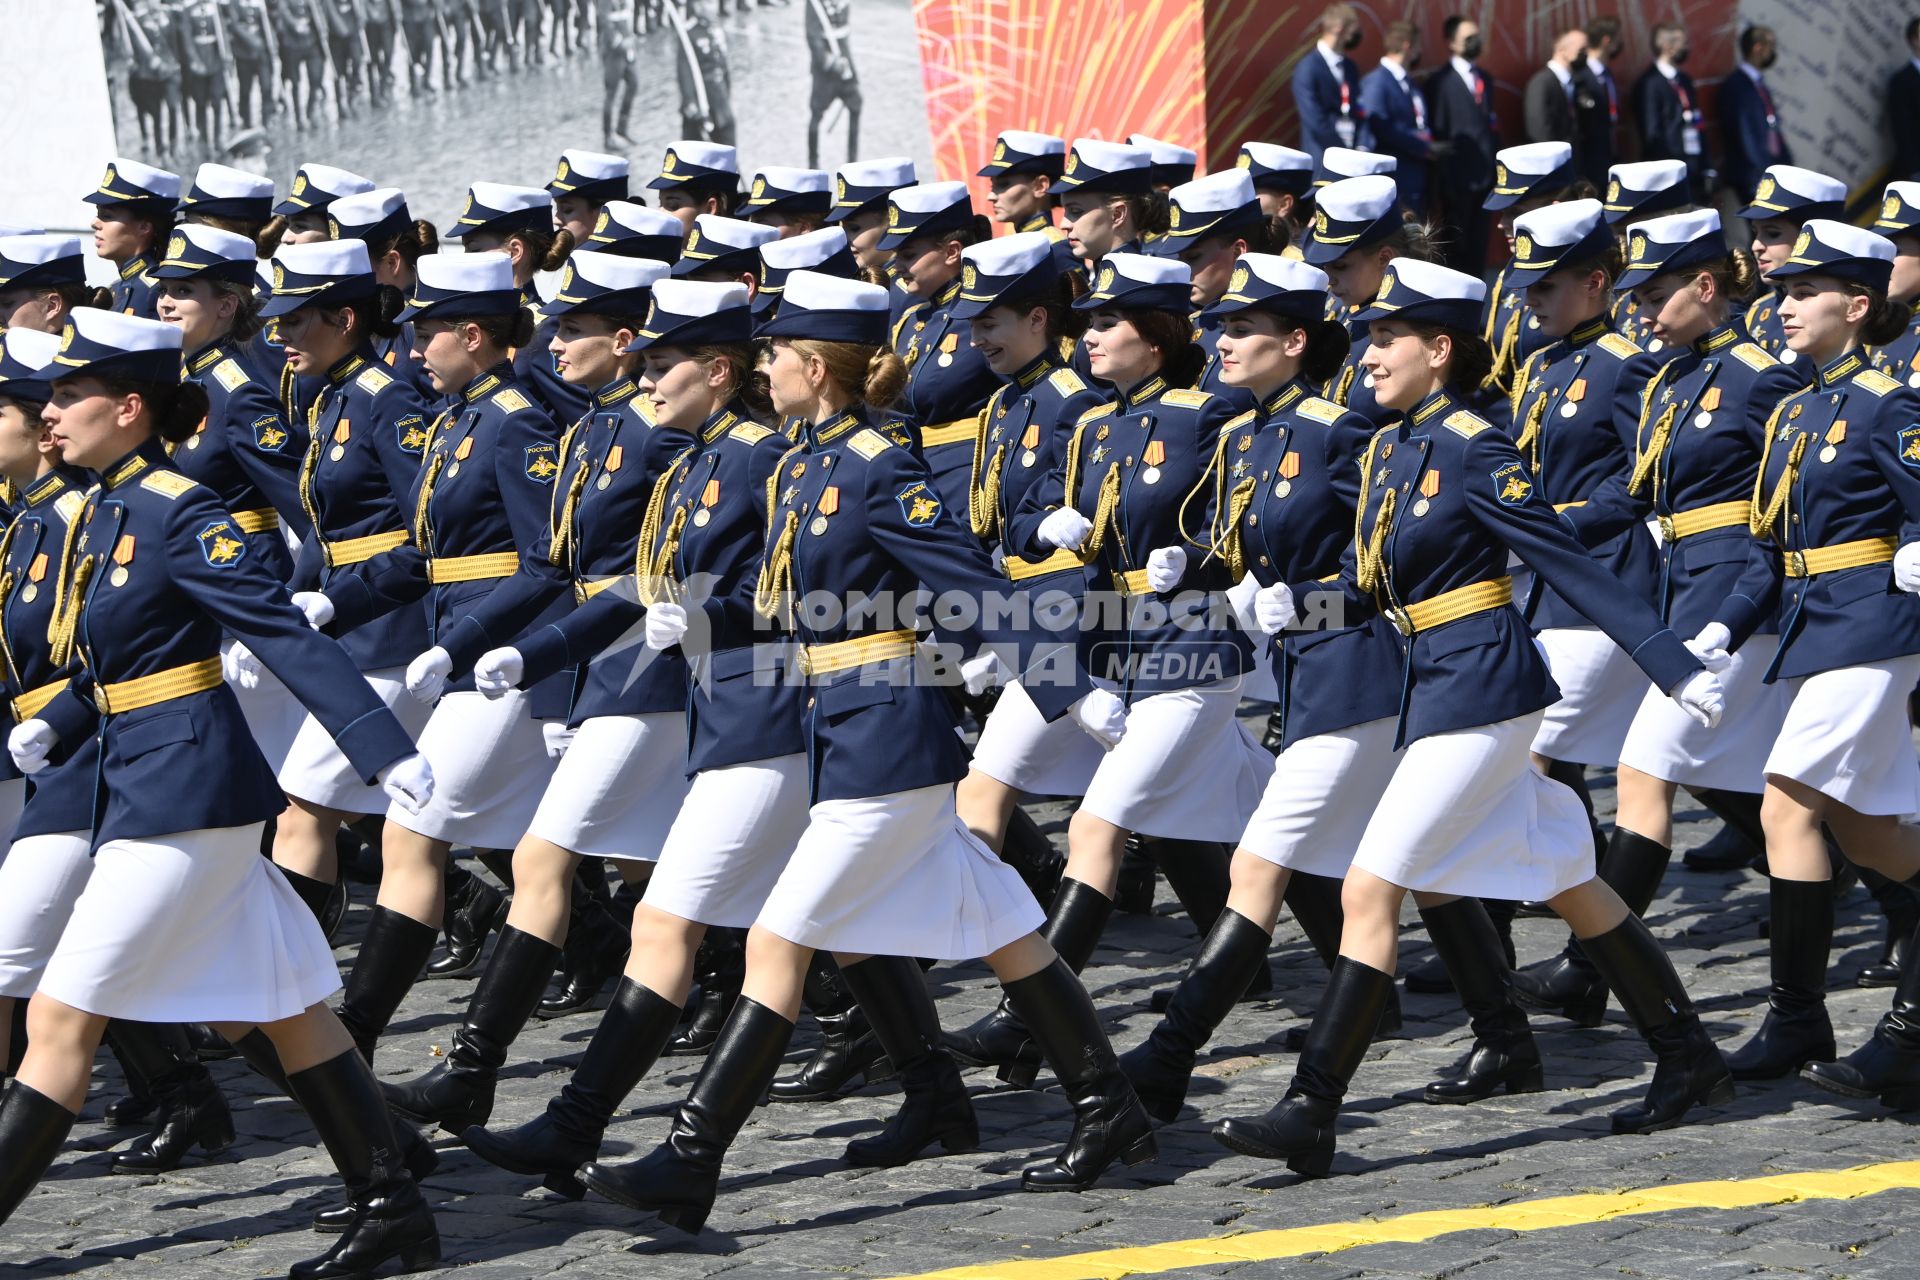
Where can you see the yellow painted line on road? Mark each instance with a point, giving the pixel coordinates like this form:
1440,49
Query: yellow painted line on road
1524,1215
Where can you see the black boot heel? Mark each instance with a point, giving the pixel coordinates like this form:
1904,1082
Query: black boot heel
565,1185
1688,1070
689,1219
1504,1056
1020,1073
892,992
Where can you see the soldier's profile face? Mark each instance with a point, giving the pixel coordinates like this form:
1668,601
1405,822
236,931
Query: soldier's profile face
572,213
1819,316
306,227
1015,197
1773,241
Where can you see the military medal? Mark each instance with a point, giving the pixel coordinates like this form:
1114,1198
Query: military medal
1429,488
948,345
611,465
1289,468
829,504
341,434
35,571
1575,394
1835,434
122,557
1913,379
1708,403
708,496
466,447
1027,442
1156,453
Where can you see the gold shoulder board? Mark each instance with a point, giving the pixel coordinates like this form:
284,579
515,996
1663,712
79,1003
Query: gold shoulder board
869,443
1067,382
1619,345
170,483
373,381
1753,357
1187,399
1875,381
1466,424
230,375
1103,410
750,433
511,400
1319,410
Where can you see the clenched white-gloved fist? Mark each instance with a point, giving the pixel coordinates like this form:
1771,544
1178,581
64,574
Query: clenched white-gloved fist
318,608
558,736
408,782
30,744
240,667
1701,697
1165,567
1710,646
498,672
427,674
1103,715
1065,528
666,625
1273,609
980,672
1906,567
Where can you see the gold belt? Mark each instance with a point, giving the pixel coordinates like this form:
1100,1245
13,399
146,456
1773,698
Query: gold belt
1841,555
495,564
1132,582
34,701
360,550
1721,515
585,589
1568,506
161,686
1451,606
939,433
1060,561
818,659
262,521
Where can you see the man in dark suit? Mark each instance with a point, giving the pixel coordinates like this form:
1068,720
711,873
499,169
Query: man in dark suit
1597,131
1667,106
1556,91
1903,109
1396,109
1749,126
1326,86
1460,107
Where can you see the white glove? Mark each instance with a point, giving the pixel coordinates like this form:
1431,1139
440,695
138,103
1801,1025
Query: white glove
240,667
318,608
1701,697
1065,528
1240,599
557,736
666,625
1165,567
1906,567
1710,646
409,782
427,674
1273,610
979,673
498,671
29,744
1103,715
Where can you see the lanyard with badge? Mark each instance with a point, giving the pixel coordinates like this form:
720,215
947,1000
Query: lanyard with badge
1345,126
1690,121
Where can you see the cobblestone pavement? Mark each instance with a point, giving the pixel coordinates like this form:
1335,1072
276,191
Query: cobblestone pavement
789,1207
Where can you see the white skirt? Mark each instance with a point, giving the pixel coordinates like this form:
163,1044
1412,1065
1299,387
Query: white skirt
273,714
1185,769
616,790
1320,797
1600,690
191,927
490,769
1667,743
1024,751
1466,812
39,883
1846,735
898,875
732,839
317,773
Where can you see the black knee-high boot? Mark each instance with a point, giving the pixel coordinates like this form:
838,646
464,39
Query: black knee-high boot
1200,874
1902,910
193,1112
1074,924
894,994
1431,977
1315,903
1568,983
849,1052
1108,1121
1573,777
328,902
679,1179
1162,1066
1739,841
596,949
391,955
458,1092
1504,1055
1688,1070
1300,1129
1027,850
32,1129
553,1145
1796,1029
1887,1066
390,1219
473,909
17,1041
721,968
